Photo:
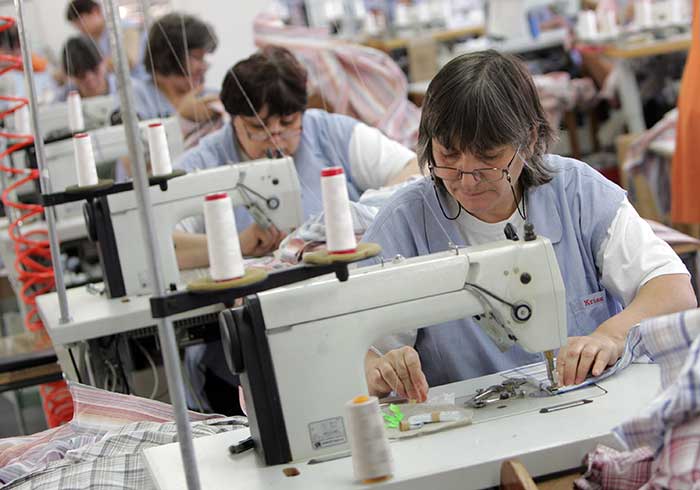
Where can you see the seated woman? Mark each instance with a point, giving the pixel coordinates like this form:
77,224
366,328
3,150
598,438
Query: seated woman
484,139
175,59
86,69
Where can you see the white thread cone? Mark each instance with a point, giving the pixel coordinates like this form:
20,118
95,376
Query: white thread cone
158,148
225,258
84,160
340,233
76,122
371,453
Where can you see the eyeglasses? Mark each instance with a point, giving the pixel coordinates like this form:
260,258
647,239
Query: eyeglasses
262,134
489,175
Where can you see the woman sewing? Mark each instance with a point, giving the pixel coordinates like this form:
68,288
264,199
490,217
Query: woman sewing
483,143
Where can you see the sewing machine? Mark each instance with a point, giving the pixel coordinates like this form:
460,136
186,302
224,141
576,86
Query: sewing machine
53,118
268,188
299,350
511,19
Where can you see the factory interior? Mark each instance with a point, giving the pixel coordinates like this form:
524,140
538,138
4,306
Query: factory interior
344,244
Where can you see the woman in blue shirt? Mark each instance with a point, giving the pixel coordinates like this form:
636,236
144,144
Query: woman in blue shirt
484,139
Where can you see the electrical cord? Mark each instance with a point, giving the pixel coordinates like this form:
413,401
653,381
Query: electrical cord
156,379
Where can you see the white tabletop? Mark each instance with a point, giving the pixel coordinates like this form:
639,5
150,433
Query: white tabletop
463,458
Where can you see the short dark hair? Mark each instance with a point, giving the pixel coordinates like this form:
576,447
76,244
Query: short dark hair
481,101
272,77
171,38
9,39
76,8
80,55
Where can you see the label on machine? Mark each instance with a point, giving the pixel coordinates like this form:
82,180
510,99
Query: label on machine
327,433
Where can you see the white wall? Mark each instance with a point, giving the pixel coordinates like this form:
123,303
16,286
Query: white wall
232,21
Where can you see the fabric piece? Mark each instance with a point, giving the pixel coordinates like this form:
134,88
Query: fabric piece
673,341
668,430
608,468
115,461
559,93
678,464
96,412
355,80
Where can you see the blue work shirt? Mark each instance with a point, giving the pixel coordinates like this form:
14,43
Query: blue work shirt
574,210
325,142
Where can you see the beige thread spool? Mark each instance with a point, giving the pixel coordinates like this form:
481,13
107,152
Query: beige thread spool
76,122
340,232
372,461
225,258
84,160
158,148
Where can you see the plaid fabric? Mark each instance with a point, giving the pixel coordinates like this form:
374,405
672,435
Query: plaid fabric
355,80
678,464
96,413
673,341
669,427
608,468
116,461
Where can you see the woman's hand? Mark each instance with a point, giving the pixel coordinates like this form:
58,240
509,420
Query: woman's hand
398,370
195,107
592,353
257,241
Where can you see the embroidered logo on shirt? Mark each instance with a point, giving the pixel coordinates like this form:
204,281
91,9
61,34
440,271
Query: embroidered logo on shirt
593,299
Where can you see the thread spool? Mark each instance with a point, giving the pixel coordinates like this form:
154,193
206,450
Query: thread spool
643,13
608,22
340,233
84,160
676,12
225,258
158,148
22,125
76,122
587,25
372,461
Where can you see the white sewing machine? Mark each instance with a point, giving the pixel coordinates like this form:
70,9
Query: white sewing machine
300,349
269,188
53,118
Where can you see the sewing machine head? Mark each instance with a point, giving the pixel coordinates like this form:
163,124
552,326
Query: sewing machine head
300,349
269,188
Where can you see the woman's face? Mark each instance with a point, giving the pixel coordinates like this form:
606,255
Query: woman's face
278,133
196,69
486,194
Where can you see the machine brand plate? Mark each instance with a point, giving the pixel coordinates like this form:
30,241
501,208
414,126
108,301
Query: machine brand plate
327,433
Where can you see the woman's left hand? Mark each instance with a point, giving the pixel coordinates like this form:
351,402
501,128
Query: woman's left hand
592,353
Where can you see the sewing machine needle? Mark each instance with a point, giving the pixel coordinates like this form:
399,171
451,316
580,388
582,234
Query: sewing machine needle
551,372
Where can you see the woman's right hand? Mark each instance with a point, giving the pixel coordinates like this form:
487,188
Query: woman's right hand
398,370
257,242
196,107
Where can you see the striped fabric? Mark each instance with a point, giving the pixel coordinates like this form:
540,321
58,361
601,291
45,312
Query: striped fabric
97,412
355,80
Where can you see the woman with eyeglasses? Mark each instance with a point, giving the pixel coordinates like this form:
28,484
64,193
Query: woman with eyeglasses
483,141
266,97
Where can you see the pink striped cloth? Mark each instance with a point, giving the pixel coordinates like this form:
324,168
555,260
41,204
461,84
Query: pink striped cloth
355,80
96,412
